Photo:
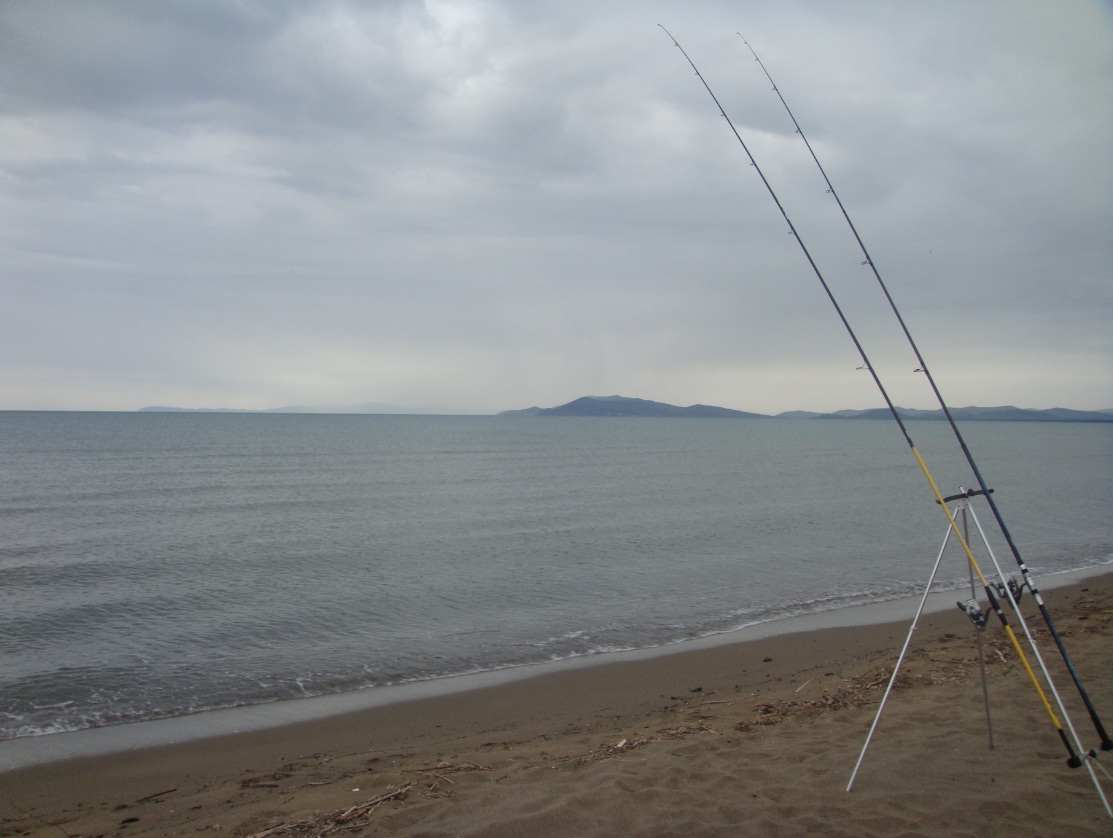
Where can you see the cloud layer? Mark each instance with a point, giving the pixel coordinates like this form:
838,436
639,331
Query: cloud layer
475,206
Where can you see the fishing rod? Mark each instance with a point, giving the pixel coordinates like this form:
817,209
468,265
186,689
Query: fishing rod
1106,742
1073,760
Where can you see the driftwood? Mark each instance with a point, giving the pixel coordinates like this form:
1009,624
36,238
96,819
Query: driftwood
443,768
156,794
439,773
624,745
855,693
608,751
334,821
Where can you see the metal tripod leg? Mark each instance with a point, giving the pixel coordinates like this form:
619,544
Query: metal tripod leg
900,659
961,505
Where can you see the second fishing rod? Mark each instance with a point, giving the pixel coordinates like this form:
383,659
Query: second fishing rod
1106,744
1074,760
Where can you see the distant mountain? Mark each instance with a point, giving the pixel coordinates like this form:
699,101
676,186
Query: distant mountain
625,406
630,407
1006,413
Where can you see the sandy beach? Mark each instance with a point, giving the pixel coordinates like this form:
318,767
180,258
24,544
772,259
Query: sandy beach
748,738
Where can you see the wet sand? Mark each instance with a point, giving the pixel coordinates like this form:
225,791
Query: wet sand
746,738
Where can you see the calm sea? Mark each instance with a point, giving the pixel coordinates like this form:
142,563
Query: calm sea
156,565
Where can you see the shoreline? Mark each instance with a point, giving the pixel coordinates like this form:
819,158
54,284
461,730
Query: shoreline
751,735
22,752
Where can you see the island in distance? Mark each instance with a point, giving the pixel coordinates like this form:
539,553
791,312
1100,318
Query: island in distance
625,406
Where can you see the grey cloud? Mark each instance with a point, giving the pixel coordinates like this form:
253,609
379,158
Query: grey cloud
483,205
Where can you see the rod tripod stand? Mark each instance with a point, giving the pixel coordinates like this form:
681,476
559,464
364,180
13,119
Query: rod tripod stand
1009,588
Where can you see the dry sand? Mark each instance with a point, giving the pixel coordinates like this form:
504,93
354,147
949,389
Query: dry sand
755,738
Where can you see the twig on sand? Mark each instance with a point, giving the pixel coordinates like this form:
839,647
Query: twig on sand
614,750
334,821
853,694
685,730
442,770
625,745
156,794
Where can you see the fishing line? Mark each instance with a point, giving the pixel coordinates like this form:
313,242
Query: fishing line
1074,760
1106,742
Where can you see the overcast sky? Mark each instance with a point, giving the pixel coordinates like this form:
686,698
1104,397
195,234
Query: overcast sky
476,206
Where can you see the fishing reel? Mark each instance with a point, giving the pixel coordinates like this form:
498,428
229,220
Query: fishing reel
1010,589
974,611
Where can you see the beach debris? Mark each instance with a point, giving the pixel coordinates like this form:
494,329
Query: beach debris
156,794
856,692
860,689
682,731
335,821
263,781
608,751
441,770
625,745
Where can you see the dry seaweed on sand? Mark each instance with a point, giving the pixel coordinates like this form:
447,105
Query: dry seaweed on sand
334,821
440,772
624,745
853,695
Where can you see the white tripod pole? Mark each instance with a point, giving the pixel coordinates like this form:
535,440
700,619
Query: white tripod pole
900,659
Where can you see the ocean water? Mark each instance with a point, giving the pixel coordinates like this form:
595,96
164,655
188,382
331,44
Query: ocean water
156,565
